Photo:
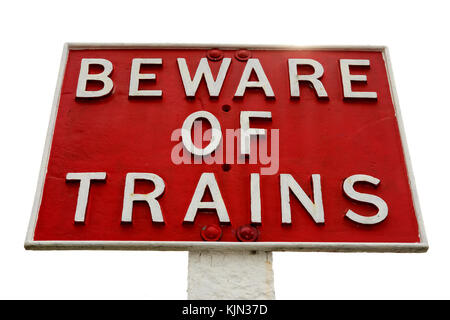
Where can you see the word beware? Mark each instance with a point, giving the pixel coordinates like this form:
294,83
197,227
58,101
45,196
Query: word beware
191,84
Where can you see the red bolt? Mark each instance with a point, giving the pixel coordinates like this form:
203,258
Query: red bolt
214,54
247,233
243,55
211,232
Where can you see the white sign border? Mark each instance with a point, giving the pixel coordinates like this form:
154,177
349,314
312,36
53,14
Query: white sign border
31,244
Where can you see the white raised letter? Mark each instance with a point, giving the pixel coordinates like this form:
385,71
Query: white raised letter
315,209
207,180
83,193
203,70
294,78
263,82
216,133
135,76
129,196
364,197
84,77
347,79
247,132
255,198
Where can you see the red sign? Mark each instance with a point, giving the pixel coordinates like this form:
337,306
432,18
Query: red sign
274,148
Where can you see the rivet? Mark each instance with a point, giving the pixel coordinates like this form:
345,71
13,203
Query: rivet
247,233
214,54
211,232
243,55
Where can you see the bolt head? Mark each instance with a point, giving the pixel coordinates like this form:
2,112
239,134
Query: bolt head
247,233
214,54
243,55
211,232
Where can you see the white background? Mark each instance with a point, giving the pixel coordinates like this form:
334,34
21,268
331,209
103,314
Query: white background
33,34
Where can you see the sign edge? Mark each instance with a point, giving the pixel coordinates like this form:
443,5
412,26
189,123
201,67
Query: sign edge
31,244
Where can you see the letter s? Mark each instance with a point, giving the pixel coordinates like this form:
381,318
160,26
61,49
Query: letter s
364,197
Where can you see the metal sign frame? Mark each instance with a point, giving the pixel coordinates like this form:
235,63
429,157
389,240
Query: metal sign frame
30,243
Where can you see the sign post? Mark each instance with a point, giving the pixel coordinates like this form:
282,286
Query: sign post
230,275
229,152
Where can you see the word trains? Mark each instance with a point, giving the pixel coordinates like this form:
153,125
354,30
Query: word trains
208,181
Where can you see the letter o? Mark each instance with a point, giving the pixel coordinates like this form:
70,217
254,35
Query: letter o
216,135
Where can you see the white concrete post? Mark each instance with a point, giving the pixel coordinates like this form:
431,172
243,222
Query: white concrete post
222,275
